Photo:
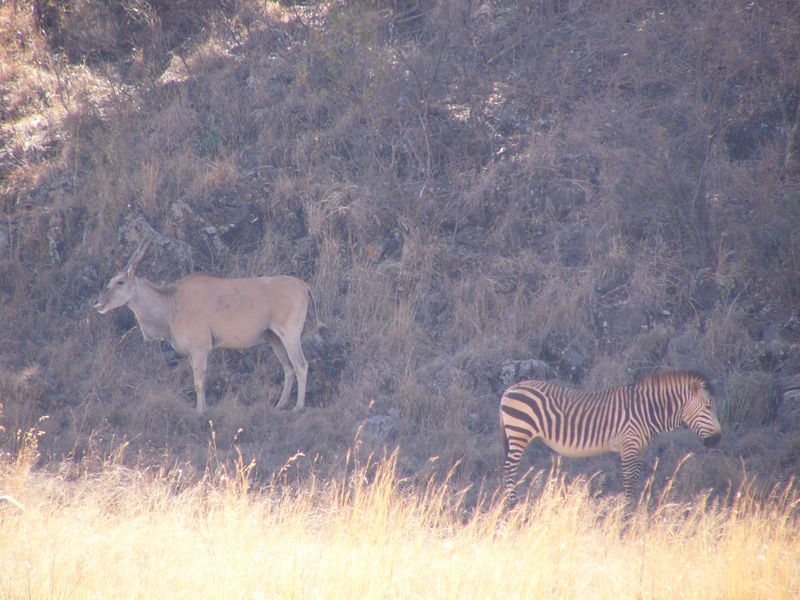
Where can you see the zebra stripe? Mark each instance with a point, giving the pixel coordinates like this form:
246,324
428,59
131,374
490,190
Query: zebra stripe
620,419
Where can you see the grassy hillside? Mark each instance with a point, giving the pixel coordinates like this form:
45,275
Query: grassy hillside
469,187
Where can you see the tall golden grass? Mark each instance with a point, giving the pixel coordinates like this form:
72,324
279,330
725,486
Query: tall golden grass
124,533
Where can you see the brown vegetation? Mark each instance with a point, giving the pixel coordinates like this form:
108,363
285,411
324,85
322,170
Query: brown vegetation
607,187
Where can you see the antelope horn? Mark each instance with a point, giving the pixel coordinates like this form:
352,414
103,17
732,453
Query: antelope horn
138,255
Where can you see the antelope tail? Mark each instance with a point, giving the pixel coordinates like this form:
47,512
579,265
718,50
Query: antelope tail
319,326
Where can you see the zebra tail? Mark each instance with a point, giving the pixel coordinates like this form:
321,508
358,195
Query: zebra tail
505,438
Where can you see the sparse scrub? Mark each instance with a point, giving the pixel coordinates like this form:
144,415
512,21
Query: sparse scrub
461,183
21,397
750,398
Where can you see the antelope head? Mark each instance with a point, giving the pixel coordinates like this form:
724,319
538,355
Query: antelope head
119,290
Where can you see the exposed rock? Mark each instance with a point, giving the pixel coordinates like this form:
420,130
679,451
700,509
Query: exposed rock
573,362
788,410
512,371
773,342
5,238
574,245
624,321
476,424
440,374
380,429
703,289
682,350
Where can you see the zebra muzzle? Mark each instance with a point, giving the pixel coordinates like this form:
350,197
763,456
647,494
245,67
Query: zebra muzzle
712,440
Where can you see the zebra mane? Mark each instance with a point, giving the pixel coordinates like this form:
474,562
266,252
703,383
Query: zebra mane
674,377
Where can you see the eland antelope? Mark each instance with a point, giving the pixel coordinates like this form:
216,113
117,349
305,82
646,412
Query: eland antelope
200,312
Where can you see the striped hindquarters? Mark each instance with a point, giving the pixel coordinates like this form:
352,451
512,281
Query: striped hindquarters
571,422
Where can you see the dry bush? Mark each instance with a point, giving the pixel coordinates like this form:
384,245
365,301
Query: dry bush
721,343
21,393
750,399
134,37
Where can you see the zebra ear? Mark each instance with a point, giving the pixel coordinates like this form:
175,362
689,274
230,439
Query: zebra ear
700,386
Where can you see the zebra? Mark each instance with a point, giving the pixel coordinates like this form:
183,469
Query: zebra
621,419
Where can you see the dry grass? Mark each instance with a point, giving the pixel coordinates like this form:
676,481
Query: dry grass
123,533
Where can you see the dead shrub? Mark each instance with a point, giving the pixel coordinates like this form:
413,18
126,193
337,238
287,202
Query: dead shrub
21,405
750,398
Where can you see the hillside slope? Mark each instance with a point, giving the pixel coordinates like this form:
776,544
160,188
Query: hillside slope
476,191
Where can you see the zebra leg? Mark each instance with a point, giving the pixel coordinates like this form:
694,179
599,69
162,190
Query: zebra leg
510,467
515,440
631,457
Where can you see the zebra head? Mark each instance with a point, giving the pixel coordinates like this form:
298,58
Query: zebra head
699,414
